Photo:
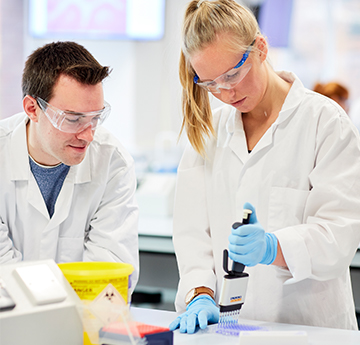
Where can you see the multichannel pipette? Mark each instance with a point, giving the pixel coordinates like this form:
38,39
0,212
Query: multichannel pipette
234,285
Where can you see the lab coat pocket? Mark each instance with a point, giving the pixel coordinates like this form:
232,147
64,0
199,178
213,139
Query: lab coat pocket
70,249
286,207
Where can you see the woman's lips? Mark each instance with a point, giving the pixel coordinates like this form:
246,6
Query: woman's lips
238,103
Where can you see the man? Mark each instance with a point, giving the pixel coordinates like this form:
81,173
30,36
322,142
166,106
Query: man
67,185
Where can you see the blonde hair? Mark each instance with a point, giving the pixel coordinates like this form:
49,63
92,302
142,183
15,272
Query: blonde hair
204,21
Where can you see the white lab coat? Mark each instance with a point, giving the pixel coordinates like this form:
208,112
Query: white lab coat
303,177
95,216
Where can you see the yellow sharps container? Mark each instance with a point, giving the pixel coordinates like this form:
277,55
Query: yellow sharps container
96,280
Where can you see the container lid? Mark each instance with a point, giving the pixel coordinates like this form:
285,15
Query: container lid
97,268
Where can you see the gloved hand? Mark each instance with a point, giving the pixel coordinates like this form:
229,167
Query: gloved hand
201,310
250,244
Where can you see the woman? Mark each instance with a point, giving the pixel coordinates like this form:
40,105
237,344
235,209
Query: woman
293,154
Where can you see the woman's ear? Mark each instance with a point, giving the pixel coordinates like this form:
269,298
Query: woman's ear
30,106
262,47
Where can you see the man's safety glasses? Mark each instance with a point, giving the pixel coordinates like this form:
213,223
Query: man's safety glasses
71,121
229,79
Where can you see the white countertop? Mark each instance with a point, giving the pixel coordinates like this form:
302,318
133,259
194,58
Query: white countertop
316,335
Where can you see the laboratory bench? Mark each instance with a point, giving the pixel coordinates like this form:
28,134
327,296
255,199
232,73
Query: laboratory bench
315,335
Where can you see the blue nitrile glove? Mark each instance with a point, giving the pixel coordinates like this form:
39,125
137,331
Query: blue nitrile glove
200,311
250,244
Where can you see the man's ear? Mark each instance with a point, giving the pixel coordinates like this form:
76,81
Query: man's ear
30,106
262,46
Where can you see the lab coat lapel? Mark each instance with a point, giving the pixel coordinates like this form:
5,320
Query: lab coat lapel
35,197
238,143
20,168
234,137
237,140
64,202
265,141
77,174
19,153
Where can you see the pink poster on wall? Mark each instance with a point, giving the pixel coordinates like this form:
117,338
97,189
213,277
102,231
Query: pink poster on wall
87,16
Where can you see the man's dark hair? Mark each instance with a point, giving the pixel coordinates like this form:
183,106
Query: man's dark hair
45,65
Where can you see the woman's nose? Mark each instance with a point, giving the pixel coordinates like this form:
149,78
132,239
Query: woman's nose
227,95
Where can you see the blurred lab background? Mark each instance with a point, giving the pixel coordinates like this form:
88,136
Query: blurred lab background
140,39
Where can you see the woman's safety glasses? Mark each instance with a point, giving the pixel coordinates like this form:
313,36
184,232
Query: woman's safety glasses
229,79
71,121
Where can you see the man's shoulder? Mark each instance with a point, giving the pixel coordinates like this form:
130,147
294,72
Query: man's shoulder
8,124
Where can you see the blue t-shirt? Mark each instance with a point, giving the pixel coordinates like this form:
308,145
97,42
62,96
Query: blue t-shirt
50,181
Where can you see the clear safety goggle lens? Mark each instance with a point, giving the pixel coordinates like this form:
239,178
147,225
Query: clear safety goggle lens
227,80
73,122
231,78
